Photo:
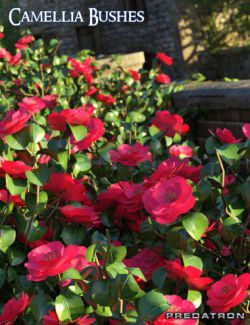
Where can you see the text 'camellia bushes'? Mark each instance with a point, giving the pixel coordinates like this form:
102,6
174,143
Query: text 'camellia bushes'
110,214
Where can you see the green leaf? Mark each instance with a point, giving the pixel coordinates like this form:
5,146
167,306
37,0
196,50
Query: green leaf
111,116
63,157
205,189
30,200
137,117
15,256
230,153
116,268
39,306
19,140
38,176
15,186
104,292
36,133
195,297
156,146
127,286
195,224
136,271
159,276
71,274
151,306
117,254
68,307
7,237
210,145
82,164
191,260
79,132
168,141
73,235
154,131
103,311
90,254
2,277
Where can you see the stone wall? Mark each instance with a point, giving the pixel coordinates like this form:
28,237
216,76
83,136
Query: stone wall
158,33
231,63
217,104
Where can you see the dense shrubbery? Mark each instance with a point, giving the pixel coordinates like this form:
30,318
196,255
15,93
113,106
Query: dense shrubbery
109,214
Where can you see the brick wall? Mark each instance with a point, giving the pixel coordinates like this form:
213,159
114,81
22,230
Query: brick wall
217,104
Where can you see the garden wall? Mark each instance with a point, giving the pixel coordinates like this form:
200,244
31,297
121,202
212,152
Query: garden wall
231,63
218,104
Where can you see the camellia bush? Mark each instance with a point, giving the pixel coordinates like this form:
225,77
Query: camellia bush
110,214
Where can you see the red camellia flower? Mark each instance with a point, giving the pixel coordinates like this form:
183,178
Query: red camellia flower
95,129
225,136
18,82
12,60
135,75
81,68
1,35
228,292
177,305
49,260
13,308
163,78
23,42
66,187
13,122
50,101
246,130
6,198
4,54
32,104
16,169
92,90
147,260
130,155
168,199
77,116
190,274
126,199
15,59
173,167
164,58
170,124
179,150
106,99
82,215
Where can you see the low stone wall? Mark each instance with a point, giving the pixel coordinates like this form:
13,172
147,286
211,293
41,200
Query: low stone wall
218,104
231,63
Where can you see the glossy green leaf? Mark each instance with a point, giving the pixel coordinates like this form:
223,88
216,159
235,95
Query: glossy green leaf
15,186
151,306
79,132
71,274
195,224
31,202
68,307
36,133
7,237
195,297
38,176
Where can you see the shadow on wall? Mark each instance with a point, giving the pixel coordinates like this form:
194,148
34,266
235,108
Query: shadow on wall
215,37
